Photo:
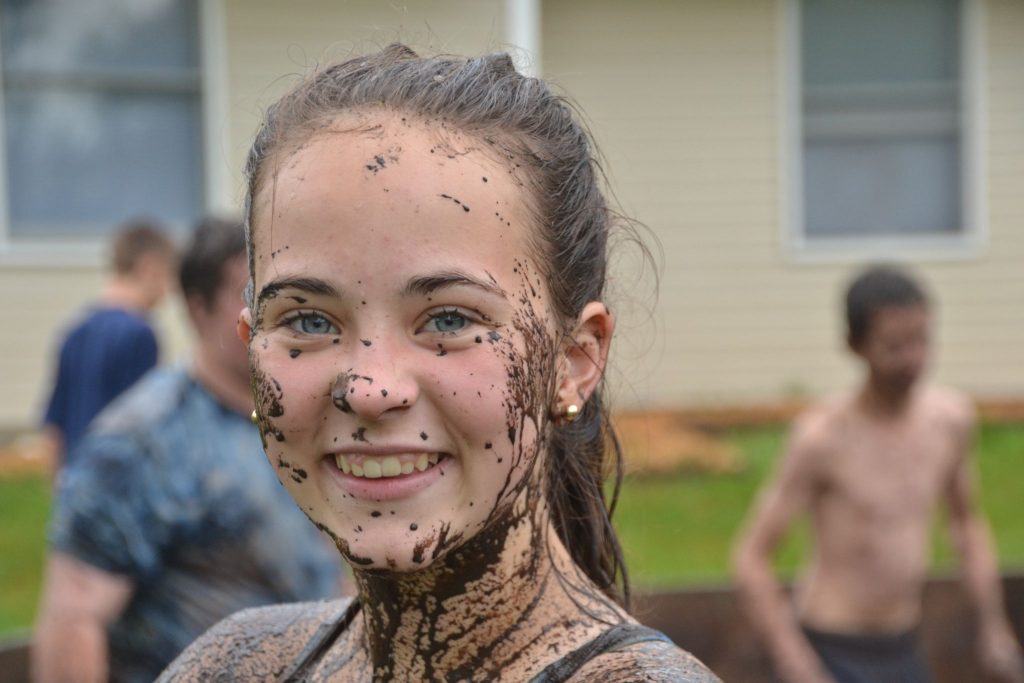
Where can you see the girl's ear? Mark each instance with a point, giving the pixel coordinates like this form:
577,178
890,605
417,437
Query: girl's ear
584,355
245,325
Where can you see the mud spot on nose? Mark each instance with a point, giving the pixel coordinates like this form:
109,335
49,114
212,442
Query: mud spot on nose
339,393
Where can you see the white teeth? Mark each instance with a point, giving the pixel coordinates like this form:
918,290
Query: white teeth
390,466
372,467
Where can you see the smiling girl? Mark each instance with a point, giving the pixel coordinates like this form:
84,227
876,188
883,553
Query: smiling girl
427,340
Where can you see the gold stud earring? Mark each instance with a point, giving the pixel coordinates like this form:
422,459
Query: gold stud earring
254,417
572,412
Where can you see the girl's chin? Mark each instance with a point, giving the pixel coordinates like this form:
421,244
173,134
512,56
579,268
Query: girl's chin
391,541
396,559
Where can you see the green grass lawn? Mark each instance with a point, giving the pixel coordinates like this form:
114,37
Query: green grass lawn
675,530
25,504
678,530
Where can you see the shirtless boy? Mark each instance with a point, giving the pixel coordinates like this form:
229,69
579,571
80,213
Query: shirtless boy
870,467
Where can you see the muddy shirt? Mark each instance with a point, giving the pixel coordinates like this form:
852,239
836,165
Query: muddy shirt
276,643
172,490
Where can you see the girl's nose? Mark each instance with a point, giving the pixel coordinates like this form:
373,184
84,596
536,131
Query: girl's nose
372,396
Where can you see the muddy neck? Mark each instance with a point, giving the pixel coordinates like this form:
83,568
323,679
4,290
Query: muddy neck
449,617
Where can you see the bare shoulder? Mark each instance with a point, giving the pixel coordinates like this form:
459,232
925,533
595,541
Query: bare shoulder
815,428
254,644
950,407
649,661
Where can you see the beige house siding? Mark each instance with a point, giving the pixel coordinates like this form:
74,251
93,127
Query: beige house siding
689,101
269,43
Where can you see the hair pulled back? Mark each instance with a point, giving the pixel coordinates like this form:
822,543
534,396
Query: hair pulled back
487,98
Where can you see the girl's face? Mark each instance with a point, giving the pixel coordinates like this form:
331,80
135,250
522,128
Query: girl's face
401,340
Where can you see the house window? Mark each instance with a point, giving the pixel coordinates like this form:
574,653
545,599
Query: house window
101,114
882,145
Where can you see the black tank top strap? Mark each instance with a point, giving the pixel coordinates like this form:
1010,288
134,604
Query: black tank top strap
319,643
615,638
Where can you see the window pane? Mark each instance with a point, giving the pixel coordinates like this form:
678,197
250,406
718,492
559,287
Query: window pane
882,188
82,162
881,117
879,41
69,35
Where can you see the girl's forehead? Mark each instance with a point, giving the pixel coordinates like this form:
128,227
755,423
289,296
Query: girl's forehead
390,185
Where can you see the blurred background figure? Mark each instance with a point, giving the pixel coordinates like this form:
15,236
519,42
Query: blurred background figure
112,344
870,467
170,518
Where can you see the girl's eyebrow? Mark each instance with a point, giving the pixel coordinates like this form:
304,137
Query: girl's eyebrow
310,285
427,284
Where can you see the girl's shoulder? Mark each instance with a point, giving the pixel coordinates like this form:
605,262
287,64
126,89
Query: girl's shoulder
256,644
656,661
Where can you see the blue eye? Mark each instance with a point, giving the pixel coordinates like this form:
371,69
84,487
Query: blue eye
312,323
448,322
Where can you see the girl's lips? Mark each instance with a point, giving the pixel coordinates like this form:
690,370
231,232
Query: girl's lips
417,471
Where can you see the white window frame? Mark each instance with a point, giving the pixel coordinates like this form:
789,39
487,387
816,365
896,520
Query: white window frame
968,243
213,87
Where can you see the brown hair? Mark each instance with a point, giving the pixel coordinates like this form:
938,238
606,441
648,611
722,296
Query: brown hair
878,287
214,242
134,240
486,97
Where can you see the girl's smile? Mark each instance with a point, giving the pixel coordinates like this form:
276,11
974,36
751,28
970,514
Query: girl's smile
394,294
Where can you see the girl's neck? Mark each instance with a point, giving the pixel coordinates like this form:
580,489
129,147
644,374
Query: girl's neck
479,608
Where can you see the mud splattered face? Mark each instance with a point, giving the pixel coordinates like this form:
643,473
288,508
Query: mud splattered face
402,345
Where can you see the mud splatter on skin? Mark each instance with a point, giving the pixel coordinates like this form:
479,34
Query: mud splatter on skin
267,394
294,353
366,342
453,199
341,389
360,435
380,161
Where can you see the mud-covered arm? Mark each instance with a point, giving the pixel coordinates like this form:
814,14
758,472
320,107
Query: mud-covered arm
998,650
252,645
79,602
786,495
